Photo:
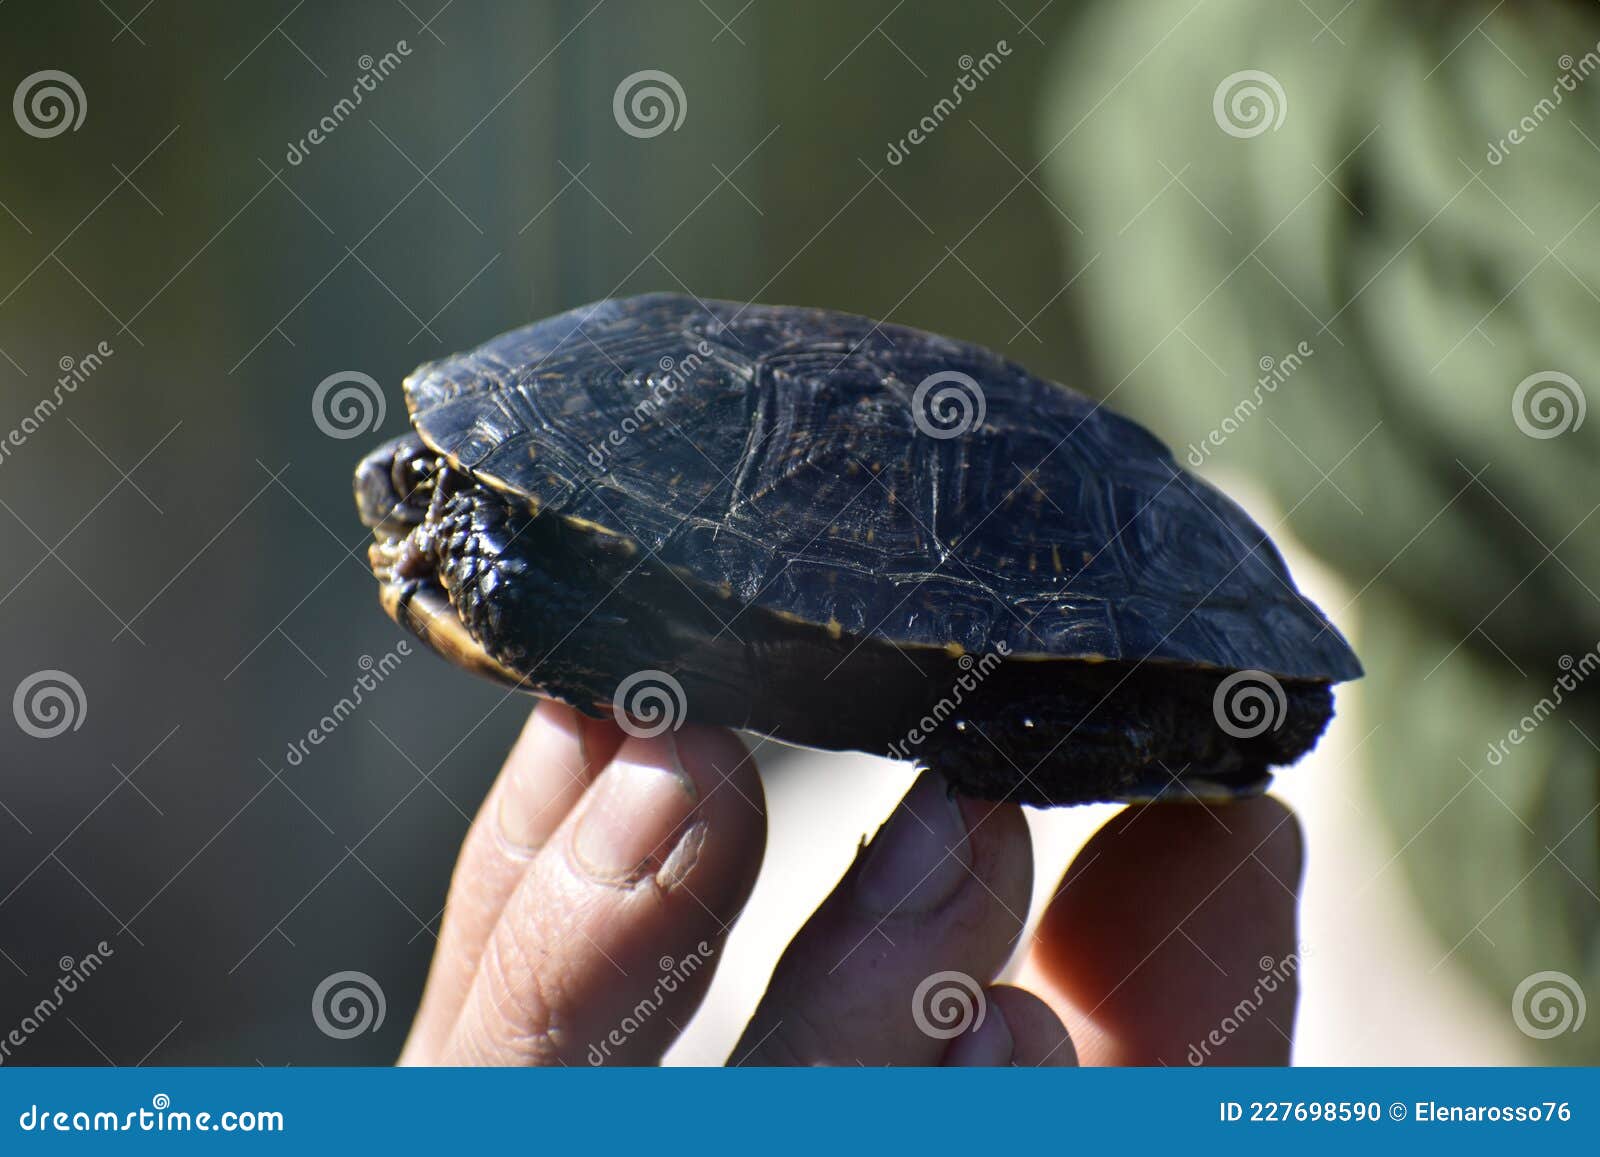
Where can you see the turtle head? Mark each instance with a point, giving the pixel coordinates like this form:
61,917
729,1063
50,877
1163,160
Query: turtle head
401,490
394,483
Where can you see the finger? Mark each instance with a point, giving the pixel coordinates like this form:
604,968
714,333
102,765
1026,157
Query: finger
899,952
1172,939
606,946
1017,1029
557,755
1039,1039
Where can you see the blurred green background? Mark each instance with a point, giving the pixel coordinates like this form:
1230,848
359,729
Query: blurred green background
180,536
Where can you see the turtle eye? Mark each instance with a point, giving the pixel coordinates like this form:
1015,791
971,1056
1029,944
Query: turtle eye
410,472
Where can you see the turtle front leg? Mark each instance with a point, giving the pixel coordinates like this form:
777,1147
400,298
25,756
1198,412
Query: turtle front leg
534,601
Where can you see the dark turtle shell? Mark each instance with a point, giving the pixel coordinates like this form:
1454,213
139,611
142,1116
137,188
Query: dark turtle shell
886,483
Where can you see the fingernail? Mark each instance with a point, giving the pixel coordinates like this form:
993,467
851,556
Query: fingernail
987,1046
546,772
630,814
919,858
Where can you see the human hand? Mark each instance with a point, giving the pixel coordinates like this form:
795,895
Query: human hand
598,860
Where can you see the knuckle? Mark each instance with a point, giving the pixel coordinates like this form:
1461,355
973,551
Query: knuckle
522,1015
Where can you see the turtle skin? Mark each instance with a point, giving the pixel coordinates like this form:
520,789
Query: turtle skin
851,534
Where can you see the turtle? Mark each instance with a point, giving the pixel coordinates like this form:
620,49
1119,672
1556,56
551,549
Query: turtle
844,534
